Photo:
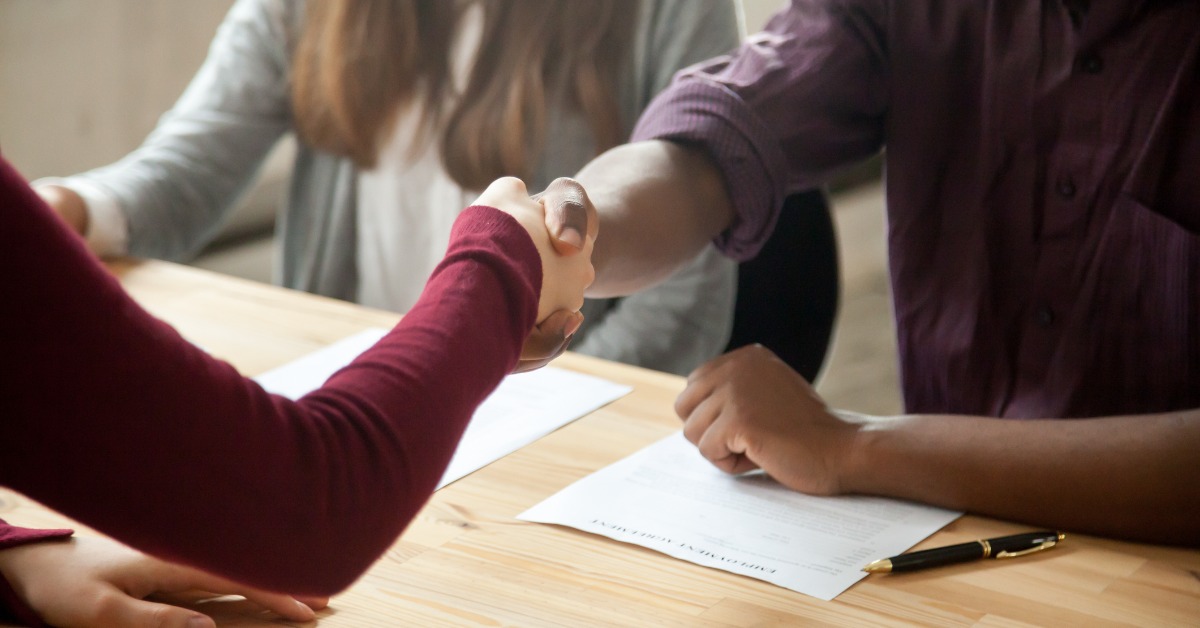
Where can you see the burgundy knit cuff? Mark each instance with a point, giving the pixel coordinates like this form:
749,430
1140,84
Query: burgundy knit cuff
502,228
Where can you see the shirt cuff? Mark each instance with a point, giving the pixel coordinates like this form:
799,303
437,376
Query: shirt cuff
107,232
707,114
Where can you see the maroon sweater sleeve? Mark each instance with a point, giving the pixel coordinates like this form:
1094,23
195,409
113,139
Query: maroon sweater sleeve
109,416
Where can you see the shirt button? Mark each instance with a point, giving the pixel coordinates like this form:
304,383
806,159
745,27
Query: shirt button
1044,316
1066,189
1091,64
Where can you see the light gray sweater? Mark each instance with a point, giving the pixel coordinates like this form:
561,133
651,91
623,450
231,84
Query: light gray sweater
179,186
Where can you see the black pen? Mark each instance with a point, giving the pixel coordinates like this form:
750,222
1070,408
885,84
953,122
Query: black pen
1001,547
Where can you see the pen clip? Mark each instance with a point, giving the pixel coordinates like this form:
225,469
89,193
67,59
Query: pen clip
1043,546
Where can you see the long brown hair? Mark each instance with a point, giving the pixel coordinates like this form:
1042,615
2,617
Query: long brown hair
359,61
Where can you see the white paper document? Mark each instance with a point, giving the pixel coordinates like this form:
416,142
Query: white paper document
522,409
668,498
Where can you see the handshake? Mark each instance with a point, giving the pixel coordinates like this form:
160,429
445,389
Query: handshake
563,224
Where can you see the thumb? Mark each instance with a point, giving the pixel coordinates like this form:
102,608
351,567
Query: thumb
570,215
121,610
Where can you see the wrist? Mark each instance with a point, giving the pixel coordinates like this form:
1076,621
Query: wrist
859,472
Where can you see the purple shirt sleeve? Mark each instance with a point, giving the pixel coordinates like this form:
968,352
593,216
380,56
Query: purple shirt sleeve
784,112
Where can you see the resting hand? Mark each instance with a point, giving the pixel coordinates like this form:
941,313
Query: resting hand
67,204
97,582
748,409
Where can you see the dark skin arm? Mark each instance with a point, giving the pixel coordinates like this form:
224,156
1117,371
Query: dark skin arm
1133,477
661,203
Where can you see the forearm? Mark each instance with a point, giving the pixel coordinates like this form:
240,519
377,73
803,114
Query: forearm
104,400
660,203
1135,477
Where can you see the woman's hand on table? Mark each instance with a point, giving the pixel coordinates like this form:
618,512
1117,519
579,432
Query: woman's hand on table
87,581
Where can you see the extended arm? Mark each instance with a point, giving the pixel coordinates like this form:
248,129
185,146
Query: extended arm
114,419
716,153
660,204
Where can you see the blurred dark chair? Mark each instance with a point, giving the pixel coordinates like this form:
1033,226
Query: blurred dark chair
787,296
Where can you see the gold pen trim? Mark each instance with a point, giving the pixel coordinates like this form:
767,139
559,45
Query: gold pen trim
987,548
1044,546
883,565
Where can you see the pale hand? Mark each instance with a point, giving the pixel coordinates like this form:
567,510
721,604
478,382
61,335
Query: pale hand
748,409
97,582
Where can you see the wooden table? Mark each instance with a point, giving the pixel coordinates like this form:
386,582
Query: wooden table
466,560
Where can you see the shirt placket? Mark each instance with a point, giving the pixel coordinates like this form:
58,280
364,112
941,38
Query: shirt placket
1074,156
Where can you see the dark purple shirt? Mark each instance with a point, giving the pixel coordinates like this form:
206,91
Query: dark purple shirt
1043,184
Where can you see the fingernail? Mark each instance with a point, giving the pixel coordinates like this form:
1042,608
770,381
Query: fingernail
304,610
573,326
199,621
571,236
